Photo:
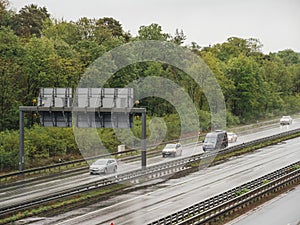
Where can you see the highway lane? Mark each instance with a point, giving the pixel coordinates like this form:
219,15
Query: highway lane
148,205
283,210
31,191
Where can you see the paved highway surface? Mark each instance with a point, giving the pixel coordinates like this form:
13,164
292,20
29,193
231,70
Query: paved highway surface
34,189
180,193
144,206
174,195
284,210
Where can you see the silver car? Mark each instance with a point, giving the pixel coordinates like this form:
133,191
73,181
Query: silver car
104,166
286,120
232,137
172,150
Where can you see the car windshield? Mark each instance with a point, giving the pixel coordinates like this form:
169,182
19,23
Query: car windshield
211,140
100,162
169,146
285,117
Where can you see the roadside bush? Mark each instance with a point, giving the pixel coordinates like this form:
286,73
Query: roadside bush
9,150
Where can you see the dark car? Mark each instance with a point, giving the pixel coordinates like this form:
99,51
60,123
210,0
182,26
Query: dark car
215,140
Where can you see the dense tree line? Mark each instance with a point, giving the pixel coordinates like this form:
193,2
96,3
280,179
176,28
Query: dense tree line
37,51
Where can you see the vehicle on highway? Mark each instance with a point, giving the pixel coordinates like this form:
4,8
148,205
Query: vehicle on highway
172,150
215,140
104,166
232,137
286,120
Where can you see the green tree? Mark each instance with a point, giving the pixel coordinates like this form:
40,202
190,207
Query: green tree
88,51
86,28
152,32
112,26
9,150
249,88
49,63
296,78
218,69
179,37
289,57
11,53
236,46
62,30
109,33
3,6
36,66
29,21
6,16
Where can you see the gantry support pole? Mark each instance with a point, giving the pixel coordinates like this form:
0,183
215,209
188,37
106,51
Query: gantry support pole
144,159
21,145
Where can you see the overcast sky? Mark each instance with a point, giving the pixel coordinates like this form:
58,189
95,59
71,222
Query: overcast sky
276,23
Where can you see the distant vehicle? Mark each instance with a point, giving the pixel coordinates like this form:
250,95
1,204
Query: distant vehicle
215,141
104,166
232,137
286,120
172,150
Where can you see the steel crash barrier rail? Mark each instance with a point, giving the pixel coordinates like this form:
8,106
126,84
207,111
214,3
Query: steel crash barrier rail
239,197
151,172
74,163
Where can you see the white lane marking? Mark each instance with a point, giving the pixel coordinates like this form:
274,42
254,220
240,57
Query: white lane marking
49,182
97,211
157,207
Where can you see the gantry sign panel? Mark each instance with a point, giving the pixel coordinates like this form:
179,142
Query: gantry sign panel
55,97
104,97
92,107
103,119
56,119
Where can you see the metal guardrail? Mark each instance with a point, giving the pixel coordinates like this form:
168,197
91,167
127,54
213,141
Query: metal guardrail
223,203
113,179
269,138
74,163
259,124
150,172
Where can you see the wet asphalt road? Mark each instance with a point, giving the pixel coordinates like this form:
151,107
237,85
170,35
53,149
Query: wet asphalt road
148,205
145,206
283,210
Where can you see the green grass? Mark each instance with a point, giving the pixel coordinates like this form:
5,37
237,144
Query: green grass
242,191
113,189
63,204
265,181
296,167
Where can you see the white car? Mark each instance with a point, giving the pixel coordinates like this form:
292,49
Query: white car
286,120
232,137
104,166
172,150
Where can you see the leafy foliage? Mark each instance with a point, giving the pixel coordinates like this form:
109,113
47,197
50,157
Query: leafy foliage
37,51
29,21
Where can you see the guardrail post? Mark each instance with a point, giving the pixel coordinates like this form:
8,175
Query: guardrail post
21,145
144,160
